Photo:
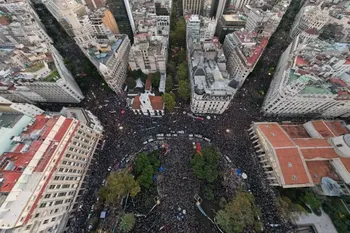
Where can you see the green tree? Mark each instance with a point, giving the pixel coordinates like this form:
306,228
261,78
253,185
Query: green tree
155,79
181,56
288,209
178,35
130,82
182,71
205,166
239,213
138,74
171,67
169,83
145,167
169,101
127,222
184,90
118,185
311,200
208,192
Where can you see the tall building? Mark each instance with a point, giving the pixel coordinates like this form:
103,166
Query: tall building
122,13
110,56
211,87
309,17
94,4
311,80
66,12
194,7
31,69
200,28
149,53
30,110
243,50
42,171
228,24
314,154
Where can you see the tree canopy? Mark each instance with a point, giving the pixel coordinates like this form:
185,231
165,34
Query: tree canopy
239,213
127,222
288,209
205,166
169,83
118,185
184,90
146,165
182,71
155,79
130,82
169,101
138,74
178,34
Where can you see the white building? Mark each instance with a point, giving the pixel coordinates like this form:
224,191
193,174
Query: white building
30,110
148,104
309,17
243,50
149,53
44,171
200,28
192,6
310,80
31,69
211,86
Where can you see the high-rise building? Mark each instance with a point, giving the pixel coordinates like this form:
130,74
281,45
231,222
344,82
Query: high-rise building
200,28
30,110
149,53
309,16
228,24
122,13
94,4
243,50
311,79
314,154
192,7
31,69
211,87
42,171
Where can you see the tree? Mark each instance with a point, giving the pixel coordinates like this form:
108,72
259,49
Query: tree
288,209
181,56
205,166
208,192
184,90
145,167
178,35
171,67
182,71
155,79
138,74
169,83
118,185
169,101
311,200
127,222
130,82
238,214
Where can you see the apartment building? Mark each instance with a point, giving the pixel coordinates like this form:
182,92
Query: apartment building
309,16
311,80
243,50
30,110
312,154
43,172
200,28
31,69
194,7
149,53
228,24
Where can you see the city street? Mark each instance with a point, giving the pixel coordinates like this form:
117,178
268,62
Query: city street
124,134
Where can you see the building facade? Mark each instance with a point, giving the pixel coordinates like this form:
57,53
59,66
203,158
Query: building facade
149,53
30,110
243,50
311,80
200,28
194,7
228,24
309,17
122,13
43,172
314,154
32,70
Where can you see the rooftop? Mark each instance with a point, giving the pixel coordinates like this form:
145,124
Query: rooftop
304,159
234,18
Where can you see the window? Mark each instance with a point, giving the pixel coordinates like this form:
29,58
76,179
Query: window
46,221
47,196
339,145
36,215
42,205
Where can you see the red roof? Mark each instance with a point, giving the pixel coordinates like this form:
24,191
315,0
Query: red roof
136,104
156,102
253,59
311,142
322,128
4,21
299,61
276,135
148,86
292,167
312,31
319,153
320,169
347,62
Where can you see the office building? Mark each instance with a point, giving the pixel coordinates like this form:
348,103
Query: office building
314,154
30,110
123,15
94,4
192,7
31,69
149,53
42,171
311,80
200,28
228,24
309,16
243,50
